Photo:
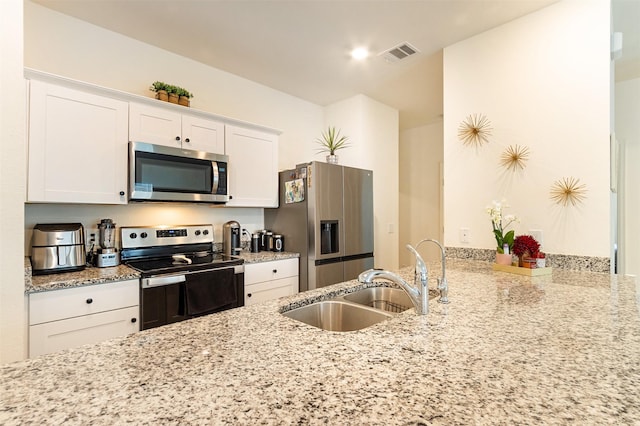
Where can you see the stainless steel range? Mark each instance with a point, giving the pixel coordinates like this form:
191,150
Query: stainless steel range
181,274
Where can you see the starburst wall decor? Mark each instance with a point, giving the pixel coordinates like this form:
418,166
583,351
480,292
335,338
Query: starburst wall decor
514,157
568,190
475,130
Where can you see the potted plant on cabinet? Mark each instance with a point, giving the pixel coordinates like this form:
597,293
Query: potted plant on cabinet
161,90
331,141
184,97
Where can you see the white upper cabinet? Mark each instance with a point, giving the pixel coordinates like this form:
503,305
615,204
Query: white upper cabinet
77,146
253,167
163,126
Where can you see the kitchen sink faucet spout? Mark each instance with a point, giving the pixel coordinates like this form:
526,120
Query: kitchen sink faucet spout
442,281
418,295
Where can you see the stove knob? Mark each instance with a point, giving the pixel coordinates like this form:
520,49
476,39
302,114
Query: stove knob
205,232
143,235
197,232
133,235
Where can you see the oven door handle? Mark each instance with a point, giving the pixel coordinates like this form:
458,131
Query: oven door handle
160,281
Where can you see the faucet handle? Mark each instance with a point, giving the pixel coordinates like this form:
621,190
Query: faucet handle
444,290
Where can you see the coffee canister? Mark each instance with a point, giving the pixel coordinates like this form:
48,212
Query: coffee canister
262,244
255,243
278,243
268,241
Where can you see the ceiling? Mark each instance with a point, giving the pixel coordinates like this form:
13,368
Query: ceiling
301,47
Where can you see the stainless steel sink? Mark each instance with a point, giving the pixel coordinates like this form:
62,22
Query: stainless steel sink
385,298
336,315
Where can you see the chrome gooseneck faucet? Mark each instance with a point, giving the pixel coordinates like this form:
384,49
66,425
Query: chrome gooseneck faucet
419,295
442,281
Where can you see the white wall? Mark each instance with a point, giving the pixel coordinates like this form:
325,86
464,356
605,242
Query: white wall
372,129
421,153
12,183
543,82
627,113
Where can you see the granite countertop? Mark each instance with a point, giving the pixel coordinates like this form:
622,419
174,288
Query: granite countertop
508,349
92,275
266,256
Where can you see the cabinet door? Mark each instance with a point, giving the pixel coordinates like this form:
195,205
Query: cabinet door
261,292
77,146
253,167
54,305
202,135
154,125
70,333
269,271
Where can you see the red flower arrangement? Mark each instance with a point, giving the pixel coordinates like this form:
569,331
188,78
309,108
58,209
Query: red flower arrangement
525,243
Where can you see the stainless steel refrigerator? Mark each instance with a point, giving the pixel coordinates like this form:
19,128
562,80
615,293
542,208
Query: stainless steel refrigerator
326,215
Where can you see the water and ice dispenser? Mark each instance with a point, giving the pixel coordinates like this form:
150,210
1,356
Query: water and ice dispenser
329,233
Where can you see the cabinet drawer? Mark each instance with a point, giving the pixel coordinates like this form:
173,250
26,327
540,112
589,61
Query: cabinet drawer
268,271
70,333
73,302
261,292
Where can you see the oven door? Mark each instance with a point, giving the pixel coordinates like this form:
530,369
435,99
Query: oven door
170,298
161,173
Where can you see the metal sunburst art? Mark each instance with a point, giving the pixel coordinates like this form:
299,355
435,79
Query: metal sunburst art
475,130
568,190
514,157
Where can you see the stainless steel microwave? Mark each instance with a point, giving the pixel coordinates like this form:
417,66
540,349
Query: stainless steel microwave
162,173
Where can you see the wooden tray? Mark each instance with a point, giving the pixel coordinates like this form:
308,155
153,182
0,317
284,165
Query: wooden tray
535,272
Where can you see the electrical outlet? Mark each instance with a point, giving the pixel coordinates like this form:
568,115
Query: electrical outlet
465,235
537,234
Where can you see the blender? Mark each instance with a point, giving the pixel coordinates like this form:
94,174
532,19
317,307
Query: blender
107,253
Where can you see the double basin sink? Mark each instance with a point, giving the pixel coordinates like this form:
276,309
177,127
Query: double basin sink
353,311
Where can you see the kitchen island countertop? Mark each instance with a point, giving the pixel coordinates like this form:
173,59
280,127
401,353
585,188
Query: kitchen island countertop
508,349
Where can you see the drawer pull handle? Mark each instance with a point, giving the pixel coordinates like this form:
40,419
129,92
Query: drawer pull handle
89,301
249,295
134,320
275,271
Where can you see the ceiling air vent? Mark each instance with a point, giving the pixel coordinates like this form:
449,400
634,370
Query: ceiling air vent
399,52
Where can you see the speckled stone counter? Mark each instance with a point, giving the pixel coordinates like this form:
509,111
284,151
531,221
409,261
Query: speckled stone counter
266,256
88,276
508,349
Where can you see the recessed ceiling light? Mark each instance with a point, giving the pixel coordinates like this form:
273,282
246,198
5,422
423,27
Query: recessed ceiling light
359,53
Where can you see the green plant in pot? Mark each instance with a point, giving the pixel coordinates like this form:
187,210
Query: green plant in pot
161,90
184,96
331,141
173,93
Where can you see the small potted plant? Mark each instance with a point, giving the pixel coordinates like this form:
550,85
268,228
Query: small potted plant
331,141
504,238
184,97
525,247
173,93
161,90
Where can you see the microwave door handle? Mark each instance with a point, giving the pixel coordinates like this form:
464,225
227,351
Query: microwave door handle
216,177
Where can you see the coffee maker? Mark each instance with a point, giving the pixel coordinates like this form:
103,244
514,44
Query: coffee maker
107,253
231,238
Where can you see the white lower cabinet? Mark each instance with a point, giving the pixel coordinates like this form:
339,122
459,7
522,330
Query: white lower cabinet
68,318
270,280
